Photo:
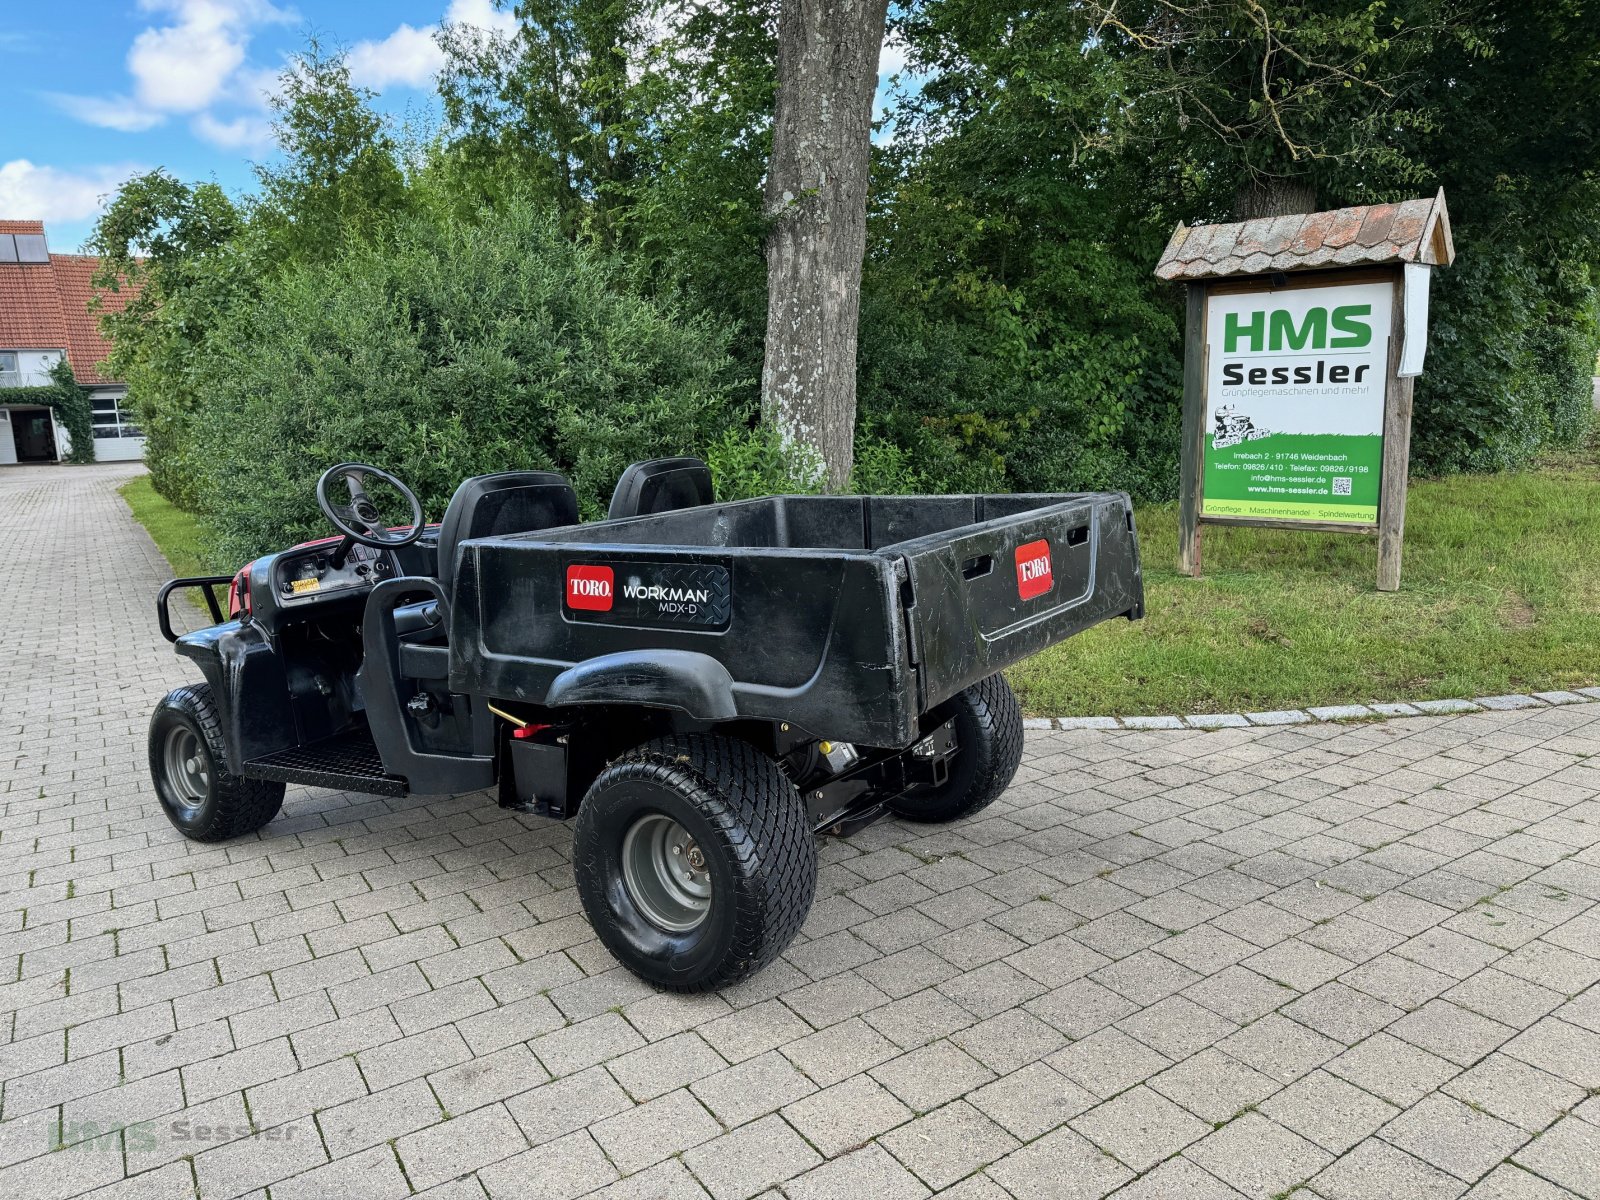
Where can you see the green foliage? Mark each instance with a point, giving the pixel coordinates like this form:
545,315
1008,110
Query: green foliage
69,402
754,461
339,179
454,349
1012,335
199,259
549,111
1051,149
1515,320
73,410
174,243
1245,104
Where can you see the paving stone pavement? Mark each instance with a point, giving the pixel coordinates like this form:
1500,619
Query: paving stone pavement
1359,961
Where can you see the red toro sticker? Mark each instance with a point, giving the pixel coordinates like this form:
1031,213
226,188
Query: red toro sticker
1033,569
590,588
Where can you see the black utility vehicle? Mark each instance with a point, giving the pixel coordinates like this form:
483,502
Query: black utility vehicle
702,686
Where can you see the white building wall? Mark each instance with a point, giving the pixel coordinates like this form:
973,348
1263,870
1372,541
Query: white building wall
33,370
34,367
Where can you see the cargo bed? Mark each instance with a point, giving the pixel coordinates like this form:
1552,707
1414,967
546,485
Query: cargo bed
848,616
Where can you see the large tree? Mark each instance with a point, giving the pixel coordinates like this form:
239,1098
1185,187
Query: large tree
816,202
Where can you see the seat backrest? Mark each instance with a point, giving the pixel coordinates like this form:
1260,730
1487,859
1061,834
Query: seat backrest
511,502
661,485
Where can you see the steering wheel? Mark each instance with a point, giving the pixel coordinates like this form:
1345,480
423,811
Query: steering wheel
358,518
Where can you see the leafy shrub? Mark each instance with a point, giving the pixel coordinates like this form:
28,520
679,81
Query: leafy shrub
456,349
968,412
1505,379
750,461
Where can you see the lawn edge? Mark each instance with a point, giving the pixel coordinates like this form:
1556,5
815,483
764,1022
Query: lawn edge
1322,714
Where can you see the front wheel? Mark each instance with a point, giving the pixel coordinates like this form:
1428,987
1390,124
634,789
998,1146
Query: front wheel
988,734
188,764
694,861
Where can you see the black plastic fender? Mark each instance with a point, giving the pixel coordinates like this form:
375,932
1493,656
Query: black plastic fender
692,683
249,686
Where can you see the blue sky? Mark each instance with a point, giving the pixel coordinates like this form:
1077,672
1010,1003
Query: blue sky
96,90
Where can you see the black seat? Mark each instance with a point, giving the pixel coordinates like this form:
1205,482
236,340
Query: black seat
511,502
485,505
661,485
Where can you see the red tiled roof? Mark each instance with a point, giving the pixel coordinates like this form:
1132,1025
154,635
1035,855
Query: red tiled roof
31,317
45,306
85,347
1415,231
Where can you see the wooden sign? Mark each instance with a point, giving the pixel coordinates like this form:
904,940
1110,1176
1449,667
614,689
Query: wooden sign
1297,382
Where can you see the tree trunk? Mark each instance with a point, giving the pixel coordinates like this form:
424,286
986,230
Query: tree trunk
816,202
1273,196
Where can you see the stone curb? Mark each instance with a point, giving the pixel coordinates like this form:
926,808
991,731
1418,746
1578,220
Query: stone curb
1334,712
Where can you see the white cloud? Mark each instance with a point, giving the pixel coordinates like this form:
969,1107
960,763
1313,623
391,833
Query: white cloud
32,192
254,87
411,57
407,56
182,68
108,112
190,59
185,65
483,14
241,133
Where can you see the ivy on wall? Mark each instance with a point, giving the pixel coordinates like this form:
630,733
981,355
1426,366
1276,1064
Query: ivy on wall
69,402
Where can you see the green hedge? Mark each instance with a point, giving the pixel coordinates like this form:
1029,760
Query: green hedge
457,348
69,402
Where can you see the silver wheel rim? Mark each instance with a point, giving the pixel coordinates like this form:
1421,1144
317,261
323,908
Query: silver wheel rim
188,768
666,873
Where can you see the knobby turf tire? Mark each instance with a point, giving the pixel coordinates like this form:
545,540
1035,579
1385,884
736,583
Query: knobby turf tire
989,751
751,824
234,805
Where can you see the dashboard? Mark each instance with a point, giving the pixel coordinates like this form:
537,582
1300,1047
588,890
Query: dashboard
307,574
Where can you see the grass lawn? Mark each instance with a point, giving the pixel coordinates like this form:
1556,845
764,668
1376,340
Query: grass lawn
1500,593
176,533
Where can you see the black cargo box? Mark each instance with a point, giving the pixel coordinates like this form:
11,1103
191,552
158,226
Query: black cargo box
848,616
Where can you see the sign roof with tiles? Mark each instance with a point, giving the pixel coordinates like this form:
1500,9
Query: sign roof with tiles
1414,231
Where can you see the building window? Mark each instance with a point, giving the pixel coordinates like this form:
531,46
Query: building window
111,419
9,375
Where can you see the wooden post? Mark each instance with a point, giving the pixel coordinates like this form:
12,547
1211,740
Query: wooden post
1191,454
1396,454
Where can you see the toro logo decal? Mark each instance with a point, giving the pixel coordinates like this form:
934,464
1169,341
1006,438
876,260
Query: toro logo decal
1033,569
590,588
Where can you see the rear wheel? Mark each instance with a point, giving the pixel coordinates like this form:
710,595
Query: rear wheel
188,766
694,860
988,734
